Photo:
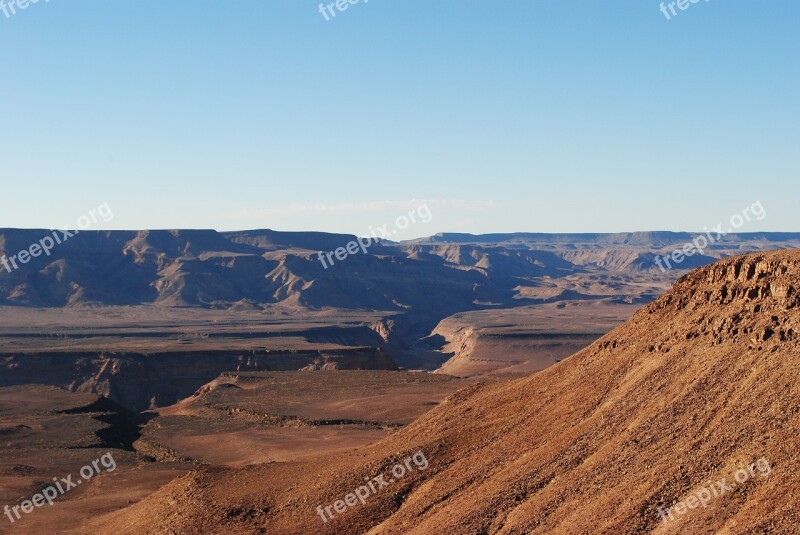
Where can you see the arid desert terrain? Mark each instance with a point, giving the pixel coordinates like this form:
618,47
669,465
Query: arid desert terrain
524,383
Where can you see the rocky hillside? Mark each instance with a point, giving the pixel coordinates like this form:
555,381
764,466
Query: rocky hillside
699,391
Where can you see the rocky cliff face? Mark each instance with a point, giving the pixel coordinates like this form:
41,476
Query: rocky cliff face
749,300
141,381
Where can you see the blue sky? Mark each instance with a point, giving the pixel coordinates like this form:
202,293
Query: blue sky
544,116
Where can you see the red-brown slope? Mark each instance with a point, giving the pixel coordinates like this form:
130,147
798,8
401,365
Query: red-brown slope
696,385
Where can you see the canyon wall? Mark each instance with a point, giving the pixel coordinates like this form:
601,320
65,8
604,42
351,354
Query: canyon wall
140,381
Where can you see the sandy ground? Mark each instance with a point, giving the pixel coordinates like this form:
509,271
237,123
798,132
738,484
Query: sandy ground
275,417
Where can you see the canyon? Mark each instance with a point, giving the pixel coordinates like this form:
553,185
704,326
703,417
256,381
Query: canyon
693,388
233,375
109,310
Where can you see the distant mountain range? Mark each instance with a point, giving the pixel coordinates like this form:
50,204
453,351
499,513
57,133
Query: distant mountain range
258,268
642,239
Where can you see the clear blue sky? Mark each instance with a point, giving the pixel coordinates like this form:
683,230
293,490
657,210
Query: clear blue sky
526,115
